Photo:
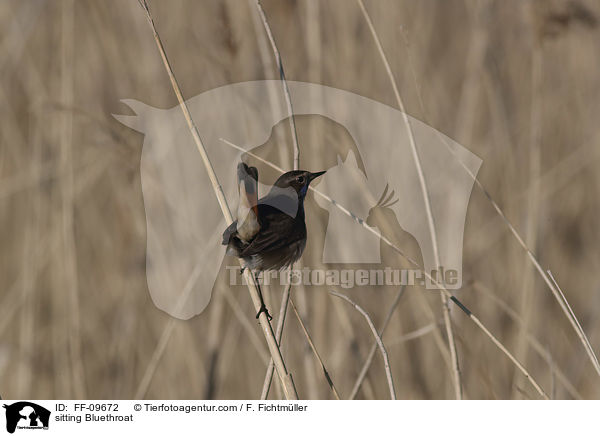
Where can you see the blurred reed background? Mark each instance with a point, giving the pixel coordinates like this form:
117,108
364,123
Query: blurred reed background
516,82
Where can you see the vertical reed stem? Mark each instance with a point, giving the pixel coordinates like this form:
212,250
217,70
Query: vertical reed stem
286,378
423,183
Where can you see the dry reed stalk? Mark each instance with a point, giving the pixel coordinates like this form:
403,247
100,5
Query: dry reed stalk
285,299
430,221
286,378
311,18
316,353
286,91
296,164
532,257
533,197
535,344
499,345
216,338
142,388
557,295
67,199
247,324
564,304
550,178
264,50
311,374
428,276
21,295
475,61
571,317
552,377
437,333
169,328
161,346
388,371
591,353
414,334
17,295
371,355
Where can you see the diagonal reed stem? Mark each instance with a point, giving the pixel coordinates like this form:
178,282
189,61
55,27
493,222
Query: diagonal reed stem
423,183
535,344
371,355
447,293
566,307
388,371
315,352
271,342
553,288
286,378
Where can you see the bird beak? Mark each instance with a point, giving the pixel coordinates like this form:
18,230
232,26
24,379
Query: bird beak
313,176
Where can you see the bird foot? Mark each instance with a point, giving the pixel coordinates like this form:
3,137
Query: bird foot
264,309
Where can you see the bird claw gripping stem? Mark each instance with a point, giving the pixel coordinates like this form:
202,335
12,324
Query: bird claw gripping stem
264,309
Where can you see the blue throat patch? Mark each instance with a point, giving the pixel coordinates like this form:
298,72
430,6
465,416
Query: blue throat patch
303,191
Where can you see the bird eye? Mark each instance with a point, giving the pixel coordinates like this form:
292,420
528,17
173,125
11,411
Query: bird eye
300,179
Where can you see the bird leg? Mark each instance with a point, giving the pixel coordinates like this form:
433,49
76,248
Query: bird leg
263,306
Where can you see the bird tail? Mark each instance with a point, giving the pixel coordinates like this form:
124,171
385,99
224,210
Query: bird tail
247,212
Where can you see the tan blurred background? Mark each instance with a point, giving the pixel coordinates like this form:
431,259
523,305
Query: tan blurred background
516,82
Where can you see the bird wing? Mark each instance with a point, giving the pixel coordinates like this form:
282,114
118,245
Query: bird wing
278,230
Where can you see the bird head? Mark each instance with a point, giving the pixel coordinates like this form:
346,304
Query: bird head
298,180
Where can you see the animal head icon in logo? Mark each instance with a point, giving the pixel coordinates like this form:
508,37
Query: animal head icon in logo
184,254
26,414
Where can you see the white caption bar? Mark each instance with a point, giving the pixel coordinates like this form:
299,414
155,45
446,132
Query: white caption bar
297,418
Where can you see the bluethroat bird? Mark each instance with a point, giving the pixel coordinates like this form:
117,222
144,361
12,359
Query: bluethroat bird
270,233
